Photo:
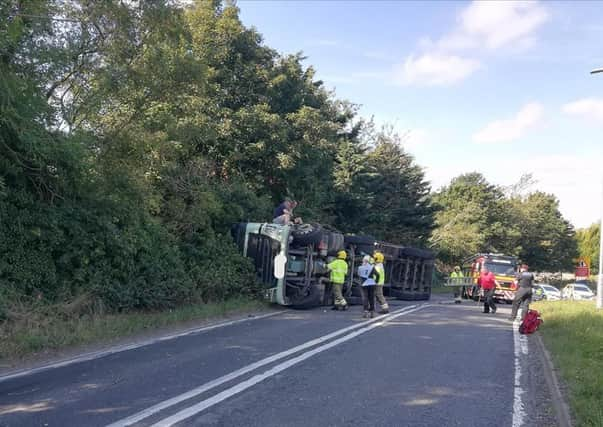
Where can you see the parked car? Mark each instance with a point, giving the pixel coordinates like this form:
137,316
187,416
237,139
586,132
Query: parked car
577,291
544,291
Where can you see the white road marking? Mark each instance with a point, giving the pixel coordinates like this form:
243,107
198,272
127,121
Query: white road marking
118,349
238,388
520,347
246,369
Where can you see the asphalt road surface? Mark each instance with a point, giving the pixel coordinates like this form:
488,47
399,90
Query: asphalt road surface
424,364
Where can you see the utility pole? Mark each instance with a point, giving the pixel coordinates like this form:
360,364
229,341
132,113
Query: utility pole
600,278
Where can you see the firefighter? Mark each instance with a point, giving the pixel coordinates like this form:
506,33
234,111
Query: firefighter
379,259
456,279
523,296
370,277
338,269
488,284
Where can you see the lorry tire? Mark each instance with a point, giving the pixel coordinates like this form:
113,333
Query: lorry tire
312,299
364,244
306,234
335,242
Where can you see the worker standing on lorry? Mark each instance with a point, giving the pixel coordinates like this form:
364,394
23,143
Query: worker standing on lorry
283,213
338,269
523,296
456,278
379,258
488,284
370,277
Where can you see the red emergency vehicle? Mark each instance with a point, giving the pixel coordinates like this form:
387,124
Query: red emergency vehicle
504,268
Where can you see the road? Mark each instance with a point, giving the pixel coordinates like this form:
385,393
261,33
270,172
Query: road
425,364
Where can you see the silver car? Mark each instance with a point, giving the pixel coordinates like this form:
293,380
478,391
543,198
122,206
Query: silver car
544,291
577,291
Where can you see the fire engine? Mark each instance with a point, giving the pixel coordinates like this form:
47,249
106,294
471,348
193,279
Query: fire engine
504,268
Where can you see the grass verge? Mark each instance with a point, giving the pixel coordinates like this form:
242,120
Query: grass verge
37,335
573,333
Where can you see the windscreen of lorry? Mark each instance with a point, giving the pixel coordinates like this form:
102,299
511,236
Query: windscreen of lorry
501,269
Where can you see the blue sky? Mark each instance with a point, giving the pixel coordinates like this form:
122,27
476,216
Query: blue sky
502,88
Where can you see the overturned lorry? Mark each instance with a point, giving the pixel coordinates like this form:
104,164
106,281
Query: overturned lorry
290,261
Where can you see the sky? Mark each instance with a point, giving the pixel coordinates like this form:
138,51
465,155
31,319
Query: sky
498,87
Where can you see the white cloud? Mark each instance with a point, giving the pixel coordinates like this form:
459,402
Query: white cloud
494,24
572,178
416,138
590,108
511,129
483,25
434,69
569,177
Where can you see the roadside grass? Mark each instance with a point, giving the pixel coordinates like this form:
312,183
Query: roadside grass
573,333
38,334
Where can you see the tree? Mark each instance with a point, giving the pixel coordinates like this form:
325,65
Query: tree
133,134
470,218
588,240
546,241
475,216
400,205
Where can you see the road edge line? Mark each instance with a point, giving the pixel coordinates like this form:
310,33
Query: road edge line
560,405
520,345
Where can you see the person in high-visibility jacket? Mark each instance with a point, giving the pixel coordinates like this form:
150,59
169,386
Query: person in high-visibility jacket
338,269
457,278
379,259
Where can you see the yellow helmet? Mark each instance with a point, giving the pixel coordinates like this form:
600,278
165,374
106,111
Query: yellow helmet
378,257
342,255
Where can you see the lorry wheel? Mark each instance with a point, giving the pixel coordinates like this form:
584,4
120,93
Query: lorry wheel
335,242
306,234
313,298
364,244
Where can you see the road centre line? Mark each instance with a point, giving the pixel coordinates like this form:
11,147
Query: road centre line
118,349
246,369
238,388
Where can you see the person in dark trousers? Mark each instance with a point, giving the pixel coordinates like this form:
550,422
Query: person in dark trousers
456,278
523,296
488,284
370,277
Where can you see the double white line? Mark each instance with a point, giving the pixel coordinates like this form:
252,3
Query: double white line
188,412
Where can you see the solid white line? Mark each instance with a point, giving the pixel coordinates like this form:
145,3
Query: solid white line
520,347
118,349
246,369
238,388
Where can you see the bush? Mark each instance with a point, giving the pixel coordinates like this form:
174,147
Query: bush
217,269
59,252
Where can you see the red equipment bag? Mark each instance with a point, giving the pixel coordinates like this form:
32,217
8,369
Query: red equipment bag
530,323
